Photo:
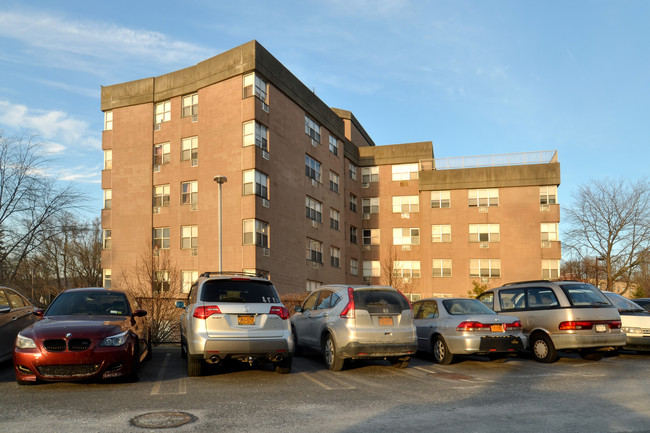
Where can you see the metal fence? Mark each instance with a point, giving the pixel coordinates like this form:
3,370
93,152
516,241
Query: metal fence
523,158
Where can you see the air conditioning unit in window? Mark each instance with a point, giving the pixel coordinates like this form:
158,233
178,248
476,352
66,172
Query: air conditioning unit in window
156,210
156,168
314,142
195,162
266,252
314,224
406,280
313,182
546,244
365,185
366,279
156,127
485,245
366,216
156,252
194,252
366,248
406,215
195,117
265,106
265,154
544,207
194,207
483,209
406,248
315,265
485,280
265,202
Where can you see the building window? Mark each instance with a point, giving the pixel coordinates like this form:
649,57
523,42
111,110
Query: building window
108,199
190,150
550,269
312,129
334,219
405,171
369,174
441,233
483,197
335,257
334,182
161,238
548,194
161,281
406,269
370,236
441,268
484,233
314,250
353,202
189,237
161,195
190,105
312,168
313,285
406,236
106,239
190,192
549,231
406,204
485,268
353,234
256,232
161,154
107,279
440,199
334,145
256,134
163,112
108,120
314,209
254,83
353,171
354,267
370,205
108,159
187,279
371,268
256,183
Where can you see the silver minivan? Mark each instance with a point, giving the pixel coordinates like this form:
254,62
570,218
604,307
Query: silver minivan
355,322
560,315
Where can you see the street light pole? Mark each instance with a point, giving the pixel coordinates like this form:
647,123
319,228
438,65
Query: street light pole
220,180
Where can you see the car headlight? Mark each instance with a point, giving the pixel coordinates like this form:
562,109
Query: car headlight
23,342
631,330
115,340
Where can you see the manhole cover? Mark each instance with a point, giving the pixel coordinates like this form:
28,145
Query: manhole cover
451,376
162,419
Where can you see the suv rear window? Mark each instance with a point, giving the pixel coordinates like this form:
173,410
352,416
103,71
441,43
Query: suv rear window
585,295
248,291
380,301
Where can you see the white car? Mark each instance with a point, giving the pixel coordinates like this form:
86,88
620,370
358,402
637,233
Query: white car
636,322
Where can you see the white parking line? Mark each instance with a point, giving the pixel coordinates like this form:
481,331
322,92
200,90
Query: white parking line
182,387
343,385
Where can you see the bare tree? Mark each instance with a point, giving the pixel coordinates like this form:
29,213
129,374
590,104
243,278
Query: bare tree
610,226
391,277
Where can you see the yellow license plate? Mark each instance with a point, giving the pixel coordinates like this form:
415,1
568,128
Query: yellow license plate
496,328
246,320
385,321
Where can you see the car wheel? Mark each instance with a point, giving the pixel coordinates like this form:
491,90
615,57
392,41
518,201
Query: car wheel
542,348
297,350
401,362
284,366
194,366
333,360
441,353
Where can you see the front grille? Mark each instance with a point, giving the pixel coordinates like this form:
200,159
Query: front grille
54,345
68,370
78,344
59,345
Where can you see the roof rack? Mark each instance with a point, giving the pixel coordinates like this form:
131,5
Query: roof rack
209,274
526,282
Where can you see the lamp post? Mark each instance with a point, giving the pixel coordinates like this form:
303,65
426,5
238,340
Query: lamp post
220,180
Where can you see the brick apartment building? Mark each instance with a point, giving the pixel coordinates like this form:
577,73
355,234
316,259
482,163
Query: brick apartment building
309,197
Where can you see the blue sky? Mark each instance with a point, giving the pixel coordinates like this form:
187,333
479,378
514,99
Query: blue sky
474,77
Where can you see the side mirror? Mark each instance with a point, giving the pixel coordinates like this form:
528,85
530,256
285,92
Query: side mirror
180,304
298,309
139,313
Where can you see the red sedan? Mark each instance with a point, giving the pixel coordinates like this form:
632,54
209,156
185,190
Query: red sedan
90,333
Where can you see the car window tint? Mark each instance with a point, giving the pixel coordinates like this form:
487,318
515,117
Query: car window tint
465,306
3,298
310,302
248,291
487,299
428,310
622,303
97,303
328,299
512,299
15,300
585,295
541,297
380,301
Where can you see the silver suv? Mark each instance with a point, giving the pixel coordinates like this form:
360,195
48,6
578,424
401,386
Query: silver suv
560,315
235,316
356,322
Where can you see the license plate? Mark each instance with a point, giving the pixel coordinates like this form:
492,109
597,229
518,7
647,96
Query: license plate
600,327
496,328
246,320
385,321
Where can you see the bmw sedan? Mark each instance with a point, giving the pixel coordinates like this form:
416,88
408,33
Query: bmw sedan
447,327
90,333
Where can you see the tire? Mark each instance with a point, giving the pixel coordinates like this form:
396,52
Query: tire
333,360
284,366
401,362
183,351
297,350
542,348
149,348
194,366
441,353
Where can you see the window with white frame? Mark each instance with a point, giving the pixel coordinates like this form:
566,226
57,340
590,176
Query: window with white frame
106,239
108,199
406,236
256,232
371,268
108,159
549,231
352,171
187,279
405,171
334,219
334,145
334,182
312,168
548,194
255,183
406,269
161,238
190,150
369,174
483,197
161,195
313,209
190,192
161,280
370,236
441,268
189,237
440,199
550,269
255,134
353,234
335,257
313,285
314,250
190,105
161,154
312,129
440,233
370,205
406,204
485,268
484,233
353,202
354,267
106,283
162,112
108,120
255,85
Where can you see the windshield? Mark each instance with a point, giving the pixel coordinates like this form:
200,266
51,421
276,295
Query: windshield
585,295
466,306
623,304
83,303
380,301
247,291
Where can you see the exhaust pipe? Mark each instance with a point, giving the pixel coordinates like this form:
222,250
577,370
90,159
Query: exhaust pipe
214,359
278,358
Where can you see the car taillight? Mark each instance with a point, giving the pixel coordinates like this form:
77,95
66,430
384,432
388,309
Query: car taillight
205,311
575,325
470,326
348,311
516,325
280,311
615,324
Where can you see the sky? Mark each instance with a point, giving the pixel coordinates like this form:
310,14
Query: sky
474,77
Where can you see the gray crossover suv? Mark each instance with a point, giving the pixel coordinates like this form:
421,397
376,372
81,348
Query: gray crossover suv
235,316
356,322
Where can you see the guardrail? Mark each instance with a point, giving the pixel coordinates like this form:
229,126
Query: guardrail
498,160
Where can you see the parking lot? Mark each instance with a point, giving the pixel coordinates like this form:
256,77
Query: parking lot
475,394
